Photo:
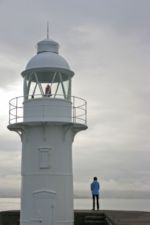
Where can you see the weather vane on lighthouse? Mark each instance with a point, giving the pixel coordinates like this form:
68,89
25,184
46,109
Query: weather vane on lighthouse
47,119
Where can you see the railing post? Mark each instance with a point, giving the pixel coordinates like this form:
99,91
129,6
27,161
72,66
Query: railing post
9,112
79,110
16,108
73,108
79,113
86,112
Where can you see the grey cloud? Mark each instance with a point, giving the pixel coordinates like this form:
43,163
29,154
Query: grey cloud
8,144
8,76
26,18
115,166
107,45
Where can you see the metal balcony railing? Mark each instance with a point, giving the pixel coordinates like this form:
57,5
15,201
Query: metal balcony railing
79,109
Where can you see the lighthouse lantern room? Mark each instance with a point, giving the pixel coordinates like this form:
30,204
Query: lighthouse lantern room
47,117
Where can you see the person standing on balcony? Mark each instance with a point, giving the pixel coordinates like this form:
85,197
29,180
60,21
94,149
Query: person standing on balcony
48,90
95,188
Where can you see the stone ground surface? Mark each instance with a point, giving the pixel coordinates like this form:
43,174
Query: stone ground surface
129,217
117,217
89,217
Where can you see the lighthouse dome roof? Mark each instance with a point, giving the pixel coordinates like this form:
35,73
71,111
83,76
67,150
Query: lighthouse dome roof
48,58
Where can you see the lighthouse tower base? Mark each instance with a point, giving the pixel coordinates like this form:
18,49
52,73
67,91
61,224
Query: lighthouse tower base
47,183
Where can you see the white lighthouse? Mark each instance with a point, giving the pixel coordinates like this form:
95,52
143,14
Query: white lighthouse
47,117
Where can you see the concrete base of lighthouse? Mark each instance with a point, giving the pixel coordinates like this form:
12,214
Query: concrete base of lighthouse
47,182
47,192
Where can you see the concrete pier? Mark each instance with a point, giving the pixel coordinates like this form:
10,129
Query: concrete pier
89,217
110,217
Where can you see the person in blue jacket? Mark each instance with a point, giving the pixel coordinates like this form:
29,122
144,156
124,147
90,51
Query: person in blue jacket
95,188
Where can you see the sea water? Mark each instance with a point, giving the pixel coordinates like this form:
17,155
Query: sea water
105,204
9,204
115,204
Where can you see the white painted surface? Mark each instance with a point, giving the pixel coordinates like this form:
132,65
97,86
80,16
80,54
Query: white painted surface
44,207
47,56
47,45
47,109
47,190
47,60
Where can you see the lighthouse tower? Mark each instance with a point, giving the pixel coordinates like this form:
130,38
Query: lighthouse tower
47,117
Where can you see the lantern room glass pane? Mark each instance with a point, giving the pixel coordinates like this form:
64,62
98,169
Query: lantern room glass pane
58,88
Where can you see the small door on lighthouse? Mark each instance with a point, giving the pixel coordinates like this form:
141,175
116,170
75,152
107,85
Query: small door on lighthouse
44,207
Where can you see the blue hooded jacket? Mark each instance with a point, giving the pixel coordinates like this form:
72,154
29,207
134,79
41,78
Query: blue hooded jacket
95,187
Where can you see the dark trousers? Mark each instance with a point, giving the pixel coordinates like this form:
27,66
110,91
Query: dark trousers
95,197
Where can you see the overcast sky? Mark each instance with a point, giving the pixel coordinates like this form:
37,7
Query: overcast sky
107,44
